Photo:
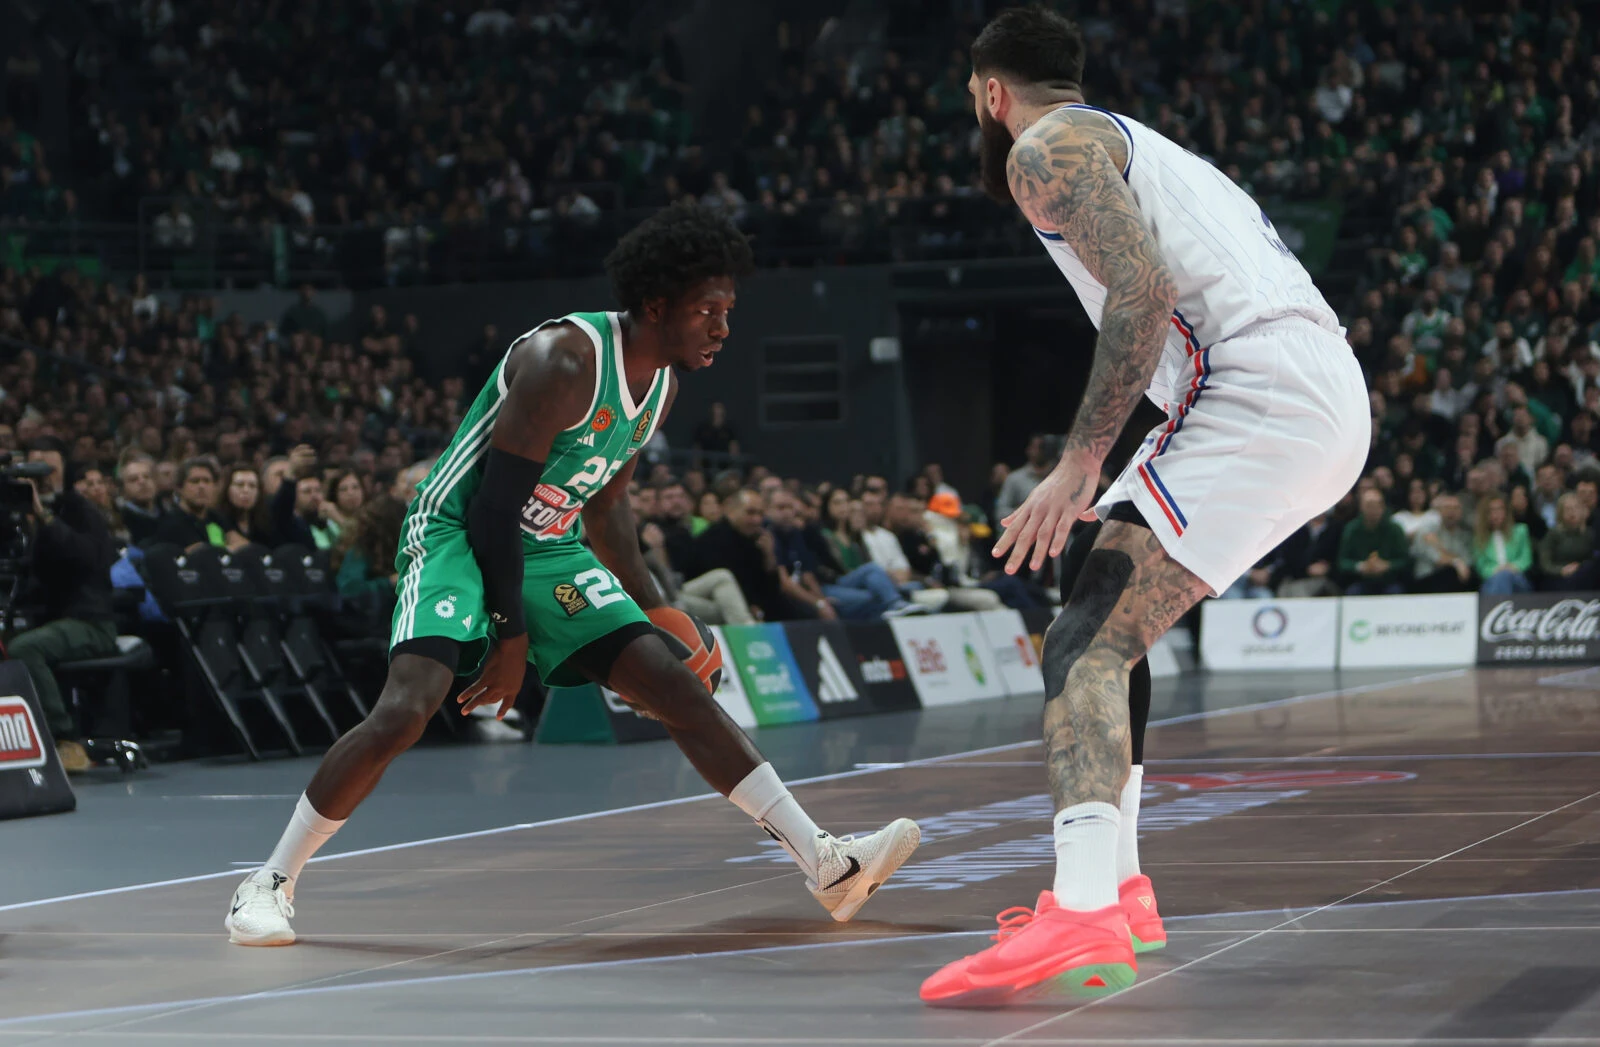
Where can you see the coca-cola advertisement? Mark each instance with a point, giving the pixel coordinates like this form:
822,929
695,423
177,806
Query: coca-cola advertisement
1538,627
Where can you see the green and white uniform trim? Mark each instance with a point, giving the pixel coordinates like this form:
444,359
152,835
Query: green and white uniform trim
569,598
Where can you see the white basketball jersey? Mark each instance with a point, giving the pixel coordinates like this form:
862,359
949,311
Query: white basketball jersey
1230,267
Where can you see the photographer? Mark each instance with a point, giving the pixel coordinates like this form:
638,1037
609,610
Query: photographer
72,556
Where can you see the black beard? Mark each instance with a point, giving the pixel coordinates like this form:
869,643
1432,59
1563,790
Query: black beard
994,149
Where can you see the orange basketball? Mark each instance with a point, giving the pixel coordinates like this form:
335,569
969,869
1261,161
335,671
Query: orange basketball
688,638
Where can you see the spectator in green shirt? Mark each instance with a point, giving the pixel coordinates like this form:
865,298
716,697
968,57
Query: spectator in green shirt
1585,268
1567,546
1425,326
1407,263
1374,555
1502,551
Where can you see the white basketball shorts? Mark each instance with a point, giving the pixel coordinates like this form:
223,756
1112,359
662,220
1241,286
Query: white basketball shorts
1273,427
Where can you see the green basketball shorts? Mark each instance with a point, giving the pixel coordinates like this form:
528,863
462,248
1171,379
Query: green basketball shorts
568,599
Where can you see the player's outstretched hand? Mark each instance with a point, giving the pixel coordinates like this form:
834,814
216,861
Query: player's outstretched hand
501,678
1043,522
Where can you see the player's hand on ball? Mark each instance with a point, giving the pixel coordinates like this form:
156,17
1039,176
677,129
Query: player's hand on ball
501,678
1043,522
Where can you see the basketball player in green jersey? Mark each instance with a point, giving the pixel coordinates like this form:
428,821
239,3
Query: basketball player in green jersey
492,575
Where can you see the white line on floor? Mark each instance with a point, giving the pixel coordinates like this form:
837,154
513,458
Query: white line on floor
1370,758
1338,692
678,801
1345,901
235,796
439,979
301,1039
1292,916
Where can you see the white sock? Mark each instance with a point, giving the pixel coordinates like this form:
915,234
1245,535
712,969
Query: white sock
1086,856
762,796
1128,834
306,832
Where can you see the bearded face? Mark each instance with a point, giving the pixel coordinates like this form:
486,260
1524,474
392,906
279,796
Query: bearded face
994,148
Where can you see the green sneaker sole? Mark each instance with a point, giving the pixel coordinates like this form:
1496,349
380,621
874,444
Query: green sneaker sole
1141,946
1093,980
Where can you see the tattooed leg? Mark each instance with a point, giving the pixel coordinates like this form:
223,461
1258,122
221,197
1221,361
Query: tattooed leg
1129,593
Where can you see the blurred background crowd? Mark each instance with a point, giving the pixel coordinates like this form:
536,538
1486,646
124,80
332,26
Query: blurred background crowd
391,142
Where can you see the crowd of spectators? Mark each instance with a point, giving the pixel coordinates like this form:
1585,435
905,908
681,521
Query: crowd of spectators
1476,319
434,127
507,129
737,546
1461,148
113,370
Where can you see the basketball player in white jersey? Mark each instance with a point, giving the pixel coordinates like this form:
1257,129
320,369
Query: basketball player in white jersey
1200,306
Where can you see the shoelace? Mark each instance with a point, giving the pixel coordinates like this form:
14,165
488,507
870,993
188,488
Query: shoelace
1011,921
279,899
833,846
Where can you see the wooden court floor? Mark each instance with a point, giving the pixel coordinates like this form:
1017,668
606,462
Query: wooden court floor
1413,863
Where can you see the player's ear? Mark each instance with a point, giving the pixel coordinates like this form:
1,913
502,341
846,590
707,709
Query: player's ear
654,310
997,98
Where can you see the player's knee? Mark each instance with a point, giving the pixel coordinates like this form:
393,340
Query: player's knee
394,727
674,695
1082,622
398,719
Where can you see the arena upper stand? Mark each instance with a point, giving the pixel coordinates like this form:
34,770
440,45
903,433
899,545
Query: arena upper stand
1447,150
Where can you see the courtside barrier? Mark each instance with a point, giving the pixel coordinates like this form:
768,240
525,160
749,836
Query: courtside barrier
1367,632
797,672
31,778
1395,631
1269,634
1538,627
950,658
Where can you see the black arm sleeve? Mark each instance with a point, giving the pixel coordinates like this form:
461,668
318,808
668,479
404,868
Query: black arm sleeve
494,529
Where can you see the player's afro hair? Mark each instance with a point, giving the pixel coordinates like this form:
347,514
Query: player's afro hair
674,249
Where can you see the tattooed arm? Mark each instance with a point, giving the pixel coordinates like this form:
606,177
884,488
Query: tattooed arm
1065,175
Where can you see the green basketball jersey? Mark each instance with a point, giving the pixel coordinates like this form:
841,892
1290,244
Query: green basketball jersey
582,459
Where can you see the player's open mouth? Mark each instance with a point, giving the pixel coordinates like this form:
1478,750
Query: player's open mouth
709,355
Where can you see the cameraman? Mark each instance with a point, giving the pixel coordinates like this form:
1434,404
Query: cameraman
72,556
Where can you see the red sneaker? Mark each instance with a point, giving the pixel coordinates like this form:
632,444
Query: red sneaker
1144,919
1080,953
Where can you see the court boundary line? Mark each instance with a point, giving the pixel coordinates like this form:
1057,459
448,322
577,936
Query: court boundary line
1256,935
857,1041
696,798
676,801
1419,757
468,976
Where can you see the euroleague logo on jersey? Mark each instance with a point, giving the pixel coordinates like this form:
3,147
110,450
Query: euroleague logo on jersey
602,420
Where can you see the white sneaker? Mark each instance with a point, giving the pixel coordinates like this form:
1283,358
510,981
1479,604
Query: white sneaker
852,868
261,909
